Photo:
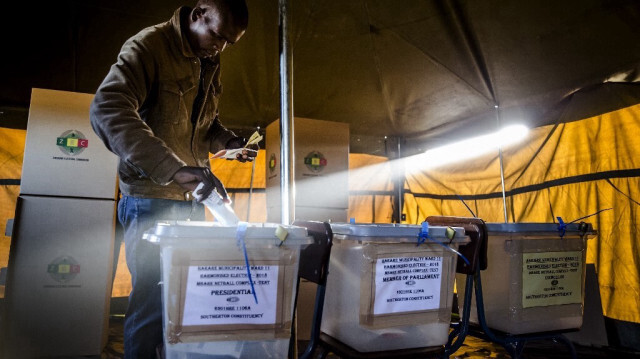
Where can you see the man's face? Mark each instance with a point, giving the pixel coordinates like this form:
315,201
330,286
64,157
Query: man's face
211,30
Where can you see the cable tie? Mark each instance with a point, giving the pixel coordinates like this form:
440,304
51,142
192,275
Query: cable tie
562,227
424,233
241,231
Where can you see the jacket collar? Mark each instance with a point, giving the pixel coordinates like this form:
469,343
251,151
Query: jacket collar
180,16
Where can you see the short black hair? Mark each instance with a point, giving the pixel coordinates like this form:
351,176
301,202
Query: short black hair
237,8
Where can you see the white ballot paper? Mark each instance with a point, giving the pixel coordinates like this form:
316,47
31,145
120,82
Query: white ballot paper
231,154
217,295
406,284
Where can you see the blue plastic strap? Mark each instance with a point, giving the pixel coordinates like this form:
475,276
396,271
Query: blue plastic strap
424,233
241,231
452,250
562,227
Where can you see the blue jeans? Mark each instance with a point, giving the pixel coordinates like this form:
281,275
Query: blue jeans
143,320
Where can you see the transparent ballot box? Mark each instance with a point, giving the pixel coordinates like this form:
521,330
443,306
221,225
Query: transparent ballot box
534,281
210,307
390,286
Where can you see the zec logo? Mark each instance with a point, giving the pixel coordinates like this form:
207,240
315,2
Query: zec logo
315,161
63,269
272,163
72,142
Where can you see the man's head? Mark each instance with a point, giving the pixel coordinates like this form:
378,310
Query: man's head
214,24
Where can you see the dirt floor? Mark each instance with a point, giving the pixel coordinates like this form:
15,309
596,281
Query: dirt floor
472,348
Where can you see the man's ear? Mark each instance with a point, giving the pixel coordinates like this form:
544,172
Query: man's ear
197,12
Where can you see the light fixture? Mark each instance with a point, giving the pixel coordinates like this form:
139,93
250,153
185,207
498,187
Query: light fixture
471,147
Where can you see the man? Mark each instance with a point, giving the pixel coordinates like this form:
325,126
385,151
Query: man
157,110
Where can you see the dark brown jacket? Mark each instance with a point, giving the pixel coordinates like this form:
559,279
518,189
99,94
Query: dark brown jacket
142,110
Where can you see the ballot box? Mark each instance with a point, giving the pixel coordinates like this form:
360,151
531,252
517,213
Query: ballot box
534,281
210,305
390,286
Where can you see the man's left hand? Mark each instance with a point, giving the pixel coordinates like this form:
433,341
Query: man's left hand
239,142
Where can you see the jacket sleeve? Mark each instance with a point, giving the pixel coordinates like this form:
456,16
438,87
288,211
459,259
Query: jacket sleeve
115,118
217,134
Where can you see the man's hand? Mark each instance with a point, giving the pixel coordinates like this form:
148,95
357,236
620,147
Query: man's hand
239,142
189,177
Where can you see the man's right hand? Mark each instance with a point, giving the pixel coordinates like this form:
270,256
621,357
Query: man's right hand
189,177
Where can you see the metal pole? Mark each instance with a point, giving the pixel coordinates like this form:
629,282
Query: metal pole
400,182
286,117
504,194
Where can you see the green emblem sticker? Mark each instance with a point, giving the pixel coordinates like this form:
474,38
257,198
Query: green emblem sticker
72,142
272,163
315,161
63,269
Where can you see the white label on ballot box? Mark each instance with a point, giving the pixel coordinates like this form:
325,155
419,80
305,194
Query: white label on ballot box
407,284
218,295
551,278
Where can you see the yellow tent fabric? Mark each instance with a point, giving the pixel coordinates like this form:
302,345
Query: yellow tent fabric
370,189
11,155
570,170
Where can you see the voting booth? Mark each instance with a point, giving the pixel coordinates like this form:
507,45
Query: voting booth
534,281
390,286
213,303
60,263
321,170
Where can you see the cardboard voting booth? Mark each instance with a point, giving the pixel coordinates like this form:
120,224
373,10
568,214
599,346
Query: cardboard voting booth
63,156
60,262
321,170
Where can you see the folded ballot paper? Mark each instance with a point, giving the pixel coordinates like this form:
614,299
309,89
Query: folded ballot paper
231,154
222,211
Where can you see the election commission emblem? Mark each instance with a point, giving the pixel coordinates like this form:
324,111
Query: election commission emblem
272,163
63,269
72,142
315,161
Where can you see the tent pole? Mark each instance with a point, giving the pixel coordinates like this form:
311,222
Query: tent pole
400,183
287,189
398,177
504,195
